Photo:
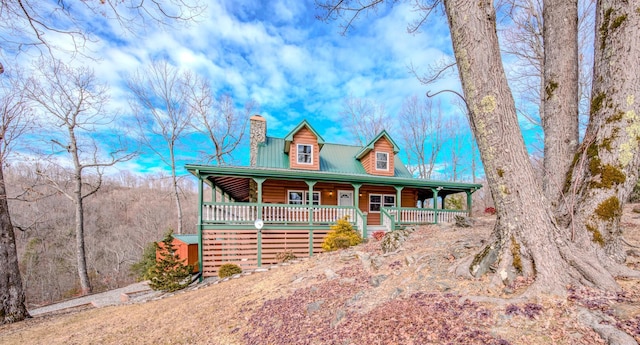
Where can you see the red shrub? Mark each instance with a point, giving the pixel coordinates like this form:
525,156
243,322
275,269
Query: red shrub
378,235
490,210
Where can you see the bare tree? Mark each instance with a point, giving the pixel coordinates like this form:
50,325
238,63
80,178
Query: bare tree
61,25
75,102
47,257
456,147
533,44
160,103
43,26
585,249
573,254
424,132
14,112
474,158
365,118
218,119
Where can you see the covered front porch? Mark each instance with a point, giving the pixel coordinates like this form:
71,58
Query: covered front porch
297,208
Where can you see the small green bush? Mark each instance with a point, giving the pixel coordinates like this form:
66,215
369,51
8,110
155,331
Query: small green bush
342,235
285,256
228,270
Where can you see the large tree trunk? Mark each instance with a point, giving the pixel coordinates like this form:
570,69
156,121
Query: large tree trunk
527,239
176,189
606,167
12,298
560,93
81,256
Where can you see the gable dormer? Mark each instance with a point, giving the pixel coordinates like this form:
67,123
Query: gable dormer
303,145
378,156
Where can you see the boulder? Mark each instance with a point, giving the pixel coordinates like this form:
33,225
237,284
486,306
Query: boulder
463,222
393,240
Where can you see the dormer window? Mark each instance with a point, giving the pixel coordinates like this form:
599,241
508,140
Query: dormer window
382,161
305,154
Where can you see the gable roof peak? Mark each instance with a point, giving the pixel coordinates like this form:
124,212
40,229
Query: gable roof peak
367,148
288,139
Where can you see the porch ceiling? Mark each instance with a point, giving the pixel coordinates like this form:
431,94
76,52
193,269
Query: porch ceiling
236,187
235,180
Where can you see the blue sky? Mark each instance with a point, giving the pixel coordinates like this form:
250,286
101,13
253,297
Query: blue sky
295,66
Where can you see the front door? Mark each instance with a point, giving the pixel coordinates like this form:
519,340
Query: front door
345,198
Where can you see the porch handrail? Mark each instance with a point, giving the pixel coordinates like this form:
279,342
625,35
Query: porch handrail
361,221
388,218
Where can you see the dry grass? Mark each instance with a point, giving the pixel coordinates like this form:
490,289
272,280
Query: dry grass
275,307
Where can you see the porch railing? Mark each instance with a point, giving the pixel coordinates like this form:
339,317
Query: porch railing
393,216
449,216
244,213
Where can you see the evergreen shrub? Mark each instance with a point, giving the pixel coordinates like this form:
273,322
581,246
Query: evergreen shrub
342,235
141,268
169,273
228,270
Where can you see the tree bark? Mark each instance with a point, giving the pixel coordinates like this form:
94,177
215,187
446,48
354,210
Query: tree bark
526,238
176,190
606,167
12,307
560,93
81,257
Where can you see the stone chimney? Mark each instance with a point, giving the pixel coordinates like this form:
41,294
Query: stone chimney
257,135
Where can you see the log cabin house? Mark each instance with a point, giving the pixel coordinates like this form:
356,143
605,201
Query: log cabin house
296,187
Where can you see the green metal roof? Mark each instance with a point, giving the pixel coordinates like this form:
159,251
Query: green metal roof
187,238
271,155
334,158
338,163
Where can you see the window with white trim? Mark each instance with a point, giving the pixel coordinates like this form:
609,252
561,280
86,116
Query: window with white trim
295,197
298,197
316,198
389,200
377,201
305,154
382,161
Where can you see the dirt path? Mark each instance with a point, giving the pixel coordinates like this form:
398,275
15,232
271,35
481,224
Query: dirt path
128,294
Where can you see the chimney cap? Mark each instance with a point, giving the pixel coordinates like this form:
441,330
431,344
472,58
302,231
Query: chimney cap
257,117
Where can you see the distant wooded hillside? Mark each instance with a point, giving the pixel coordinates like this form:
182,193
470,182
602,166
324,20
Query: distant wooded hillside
124,216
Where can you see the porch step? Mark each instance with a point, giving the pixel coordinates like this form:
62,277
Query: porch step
373,228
